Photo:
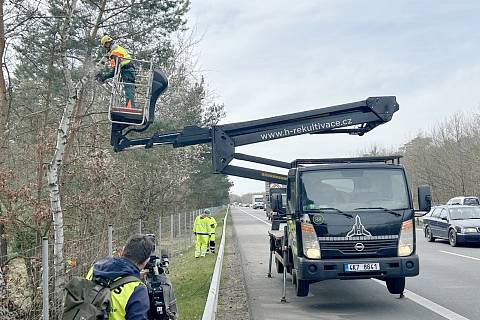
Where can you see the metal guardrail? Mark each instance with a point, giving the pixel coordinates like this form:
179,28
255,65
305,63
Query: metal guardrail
210,311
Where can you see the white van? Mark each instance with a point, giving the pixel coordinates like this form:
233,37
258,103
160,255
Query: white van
470,201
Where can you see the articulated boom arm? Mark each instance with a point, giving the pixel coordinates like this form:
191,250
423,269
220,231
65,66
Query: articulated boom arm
352,118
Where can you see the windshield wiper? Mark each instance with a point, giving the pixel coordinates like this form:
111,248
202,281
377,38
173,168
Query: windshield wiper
380,208
338,211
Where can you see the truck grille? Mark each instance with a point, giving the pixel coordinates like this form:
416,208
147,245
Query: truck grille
337,247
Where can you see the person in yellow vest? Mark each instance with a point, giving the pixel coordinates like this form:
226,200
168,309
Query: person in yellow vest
119,55
201,229
129,301
213,227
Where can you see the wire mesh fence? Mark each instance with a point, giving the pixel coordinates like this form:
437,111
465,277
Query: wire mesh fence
22,290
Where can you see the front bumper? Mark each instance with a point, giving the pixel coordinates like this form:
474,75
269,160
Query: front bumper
318,270
473,237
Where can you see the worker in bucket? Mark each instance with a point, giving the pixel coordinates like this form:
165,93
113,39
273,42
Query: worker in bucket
201,229
119,55
213,226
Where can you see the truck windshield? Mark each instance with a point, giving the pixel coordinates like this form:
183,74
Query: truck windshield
347,189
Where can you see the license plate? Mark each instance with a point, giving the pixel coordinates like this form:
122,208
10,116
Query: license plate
361,267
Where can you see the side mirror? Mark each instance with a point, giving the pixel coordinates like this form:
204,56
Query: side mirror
276,202
424,198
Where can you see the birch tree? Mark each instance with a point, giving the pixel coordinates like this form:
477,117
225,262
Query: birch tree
55,165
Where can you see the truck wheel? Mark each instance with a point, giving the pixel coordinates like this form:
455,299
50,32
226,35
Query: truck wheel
279,266
452,237
302,287
428,234
395,285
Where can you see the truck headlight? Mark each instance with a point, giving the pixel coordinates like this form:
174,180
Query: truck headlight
468,230
405,243
311,247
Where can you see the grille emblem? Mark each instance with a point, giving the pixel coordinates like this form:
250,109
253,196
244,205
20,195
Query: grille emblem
318,219
358,229
359,246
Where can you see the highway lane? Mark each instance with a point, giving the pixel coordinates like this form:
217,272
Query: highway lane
445,288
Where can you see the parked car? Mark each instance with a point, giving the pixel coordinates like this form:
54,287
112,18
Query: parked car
456,223
471,201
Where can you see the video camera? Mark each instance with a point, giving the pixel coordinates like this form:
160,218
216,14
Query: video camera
160,291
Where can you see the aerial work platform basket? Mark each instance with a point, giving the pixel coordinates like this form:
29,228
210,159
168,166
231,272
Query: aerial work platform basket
133,103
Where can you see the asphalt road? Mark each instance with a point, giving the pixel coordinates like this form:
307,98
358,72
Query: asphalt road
446,288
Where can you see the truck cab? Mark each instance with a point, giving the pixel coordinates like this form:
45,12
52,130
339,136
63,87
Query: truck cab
349,219
257,201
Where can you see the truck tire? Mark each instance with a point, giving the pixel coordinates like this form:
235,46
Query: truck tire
279,266
395,285
301,287
428,234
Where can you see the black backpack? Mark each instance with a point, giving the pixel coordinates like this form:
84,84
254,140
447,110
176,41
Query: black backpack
90,299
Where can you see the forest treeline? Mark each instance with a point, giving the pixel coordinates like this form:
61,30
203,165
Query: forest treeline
446,157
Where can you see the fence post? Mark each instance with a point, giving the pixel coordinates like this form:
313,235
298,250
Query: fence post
172,224
45,310
140,226
185,222
191,226
110,239
179,223
159,229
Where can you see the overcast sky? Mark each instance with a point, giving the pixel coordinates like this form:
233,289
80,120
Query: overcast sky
272,57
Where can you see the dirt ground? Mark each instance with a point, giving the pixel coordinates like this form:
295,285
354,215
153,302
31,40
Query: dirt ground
232,299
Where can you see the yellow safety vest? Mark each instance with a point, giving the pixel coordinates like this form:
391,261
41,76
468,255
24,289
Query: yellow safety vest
212,221
201,225
121,53
120,297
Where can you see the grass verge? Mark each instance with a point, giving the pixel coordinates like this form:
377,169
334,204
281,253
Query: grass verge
191,277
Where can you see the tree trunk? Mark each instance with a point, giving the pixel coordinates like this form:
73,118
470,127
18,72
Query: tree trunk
53,172
3,87
54,168
3,129
55,165
3,245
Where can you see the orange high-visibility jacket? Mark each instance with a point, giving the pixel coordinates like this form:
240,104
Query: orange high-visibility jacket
120,53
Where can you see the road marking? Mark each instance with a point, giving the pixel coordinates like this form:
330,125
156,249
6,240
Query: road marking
267,223
460,255
432,306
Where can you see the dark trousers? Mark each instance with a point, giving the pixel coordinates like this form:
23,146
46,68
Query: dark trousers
127,74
